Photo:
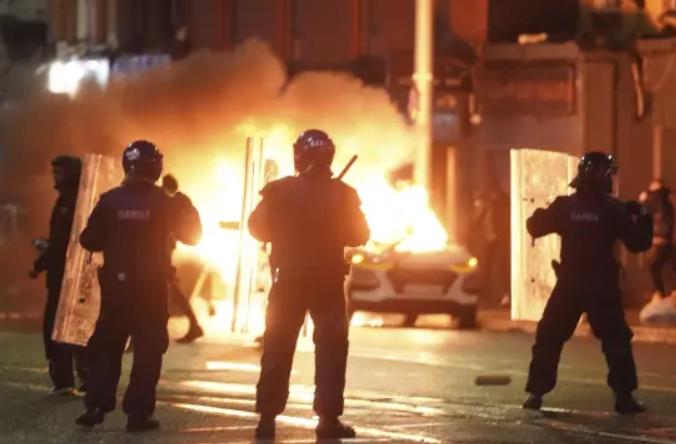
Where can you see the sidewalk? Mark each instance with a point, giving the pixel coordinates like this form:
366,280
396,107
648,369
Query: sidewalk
499,320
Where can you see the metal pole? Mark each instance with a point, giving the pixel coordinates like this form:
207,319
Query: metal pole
423,79
82,20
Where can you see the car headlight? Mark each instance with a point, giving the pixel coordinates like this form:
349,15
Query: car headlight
374,262
465,267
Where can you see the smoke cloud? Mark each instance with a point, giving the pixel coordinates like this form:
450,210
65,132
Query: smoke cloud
199,111
202,108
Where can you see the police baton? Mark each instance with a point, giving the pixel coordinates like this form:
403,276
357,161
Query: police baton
347,167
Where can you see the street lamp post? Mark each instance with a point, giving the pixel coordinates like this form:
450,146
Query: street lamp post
423,79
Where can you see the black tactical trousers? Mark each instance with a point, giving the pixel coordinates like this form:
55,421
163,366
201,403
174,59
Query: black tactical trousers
124,315
606,319
290,299
63,358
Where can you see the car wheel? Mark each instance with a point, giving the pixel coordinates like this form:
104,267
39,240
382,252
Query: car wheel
466,317
409,320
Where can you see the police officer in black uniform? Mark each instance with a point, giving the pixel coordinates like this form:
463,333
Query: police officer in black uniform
308,219
66,174
590,222
132,225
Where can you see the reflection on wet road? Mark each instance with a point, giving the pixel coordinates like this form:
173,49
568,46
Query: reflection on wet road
404,386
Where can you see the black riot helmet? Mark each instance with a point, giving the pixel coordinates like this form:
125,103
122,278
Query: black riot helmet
313,148
142,160
66,171
595,173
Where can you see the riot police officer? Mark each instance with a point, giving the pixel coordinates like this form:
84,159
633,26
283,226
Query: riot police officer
132,225
308,219
589,222
66,174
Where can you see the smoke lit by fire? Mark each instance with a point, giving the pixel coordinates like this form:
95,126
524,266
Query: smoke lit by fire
200,112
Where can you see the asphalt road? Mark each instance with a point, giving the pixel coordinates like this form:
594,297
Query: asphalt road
404,385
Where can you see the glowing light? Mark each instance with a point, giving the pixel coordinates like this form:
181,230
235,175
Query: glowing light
360,319
473,262
399,218
67,77
402,217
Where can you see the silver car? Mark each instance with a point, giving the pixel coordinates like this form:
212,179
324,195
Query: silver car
412,284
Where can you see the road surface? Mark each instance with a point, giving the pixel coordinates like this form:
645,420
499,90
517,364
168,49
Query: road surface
404,385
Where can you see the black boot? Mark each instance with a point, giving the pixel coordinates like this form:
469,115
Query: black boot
332,428
625,404
266,427
533,402
62,391
90,418
142,424
194,332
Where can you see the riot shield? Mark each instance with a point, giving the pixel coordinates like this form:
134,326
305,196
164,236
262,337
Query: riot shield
252,265
80,293
537,178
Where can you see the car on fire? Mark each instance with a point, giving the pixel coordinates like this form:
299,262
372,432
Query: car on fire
414,283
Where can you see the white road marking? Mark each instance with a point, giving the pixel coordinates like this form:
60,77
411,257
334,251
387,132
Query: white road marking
304,423
233,366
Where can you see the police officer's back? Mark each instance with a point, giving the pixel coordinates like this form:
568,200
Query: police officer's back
132,225
309,220
589,222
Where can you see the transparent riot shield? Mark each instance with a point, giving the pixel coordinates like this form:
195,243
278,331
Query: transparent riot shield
537,178
247,263
80,294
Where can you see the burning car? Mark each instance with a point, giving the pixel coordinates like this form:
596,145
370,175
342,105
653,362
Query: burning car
413,283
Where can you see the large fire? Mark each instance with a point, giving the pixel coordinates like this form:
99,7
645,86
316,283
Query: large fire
399,217
200,111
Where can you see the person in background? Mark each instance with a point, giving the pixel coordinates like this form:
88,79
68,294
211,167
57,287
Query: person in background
63,358
661,254
490,240
170,186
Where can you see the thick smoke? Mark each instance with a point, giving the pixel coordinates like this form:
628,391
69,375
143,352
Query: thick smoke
199,111
203,108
